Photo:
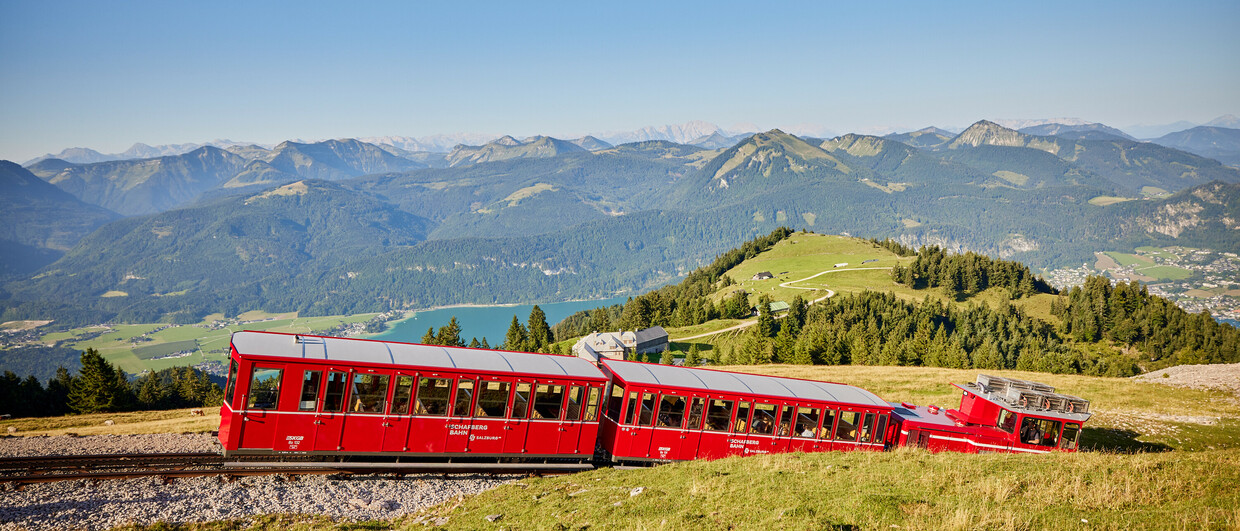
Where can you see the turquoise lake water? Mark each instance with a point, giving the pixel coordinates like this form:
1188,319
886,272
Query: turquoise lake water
490,322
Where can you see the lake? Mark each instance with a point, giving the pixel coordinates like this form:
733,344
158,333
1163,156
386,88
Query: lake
490,322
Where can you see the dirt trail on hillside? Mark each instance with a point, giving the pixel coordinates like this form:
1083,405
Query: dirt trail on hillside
1221,377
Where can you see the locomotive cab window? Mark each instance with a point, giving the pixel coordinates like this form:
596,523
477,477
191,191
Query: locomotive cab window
807,422
548,401
310,381
464,398
1006,421
846,429
369,393
1041,432
763,419
671,411
232,383
402,395
1071,435
333,399
718,415
493,399
432,397
880,431
265,388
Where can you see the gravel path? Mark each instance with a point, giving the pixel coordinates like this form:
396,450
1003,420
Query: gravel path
108,444
105,504
1225,377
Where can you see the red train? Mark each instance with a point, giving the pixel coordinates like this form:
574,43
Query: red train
358,399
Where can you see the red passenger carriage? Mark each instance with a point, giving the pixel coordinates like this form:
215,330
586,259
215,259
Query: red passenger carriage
661,413
996,415
315,395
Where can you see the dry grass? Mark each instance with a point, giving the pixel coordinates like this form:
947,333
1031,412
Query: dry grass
134,422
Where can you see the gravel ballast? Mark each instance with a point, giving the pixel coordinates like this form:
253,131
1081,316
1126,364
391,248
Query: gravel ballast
94,504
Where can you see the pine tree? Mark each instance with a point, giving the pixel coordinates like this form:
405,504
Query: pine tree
766,322
540,332
450,334
517,337
694,357
473,343
429,337
150,392
99,387
666,358
58,391
484,344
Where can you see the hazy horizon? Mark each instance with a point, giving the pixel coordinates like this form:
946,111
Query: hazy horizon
105,76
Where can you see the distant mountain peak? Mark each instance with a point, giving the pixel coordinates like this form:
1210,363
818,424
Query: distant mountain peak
1227,120
506,140
988,133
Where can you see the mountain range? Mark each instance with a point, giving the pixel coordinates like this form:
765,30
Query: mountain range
347,226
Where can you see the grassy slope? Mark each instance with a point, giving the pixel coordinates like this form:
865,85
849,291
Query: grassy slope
169,421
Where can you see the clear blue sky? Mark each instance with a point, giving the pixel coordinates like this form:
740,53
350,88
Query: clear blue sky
107,74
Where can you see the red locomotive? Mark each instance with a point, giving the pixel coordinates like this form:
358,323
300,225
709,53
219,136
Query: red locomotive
350,398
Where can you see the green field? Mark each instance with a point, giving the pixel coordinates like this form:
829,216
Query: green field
1129,260
1104,200
133,346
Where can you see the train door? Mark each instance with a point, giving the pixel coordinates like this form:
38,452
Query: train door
364,424
783,431
428,426
667,435
461,416
546,415
258,418
741,441
641,422
805,422
589,426
570,425
487,433
396,423
517,427
715,440
297,431
762,429
691,436
330,416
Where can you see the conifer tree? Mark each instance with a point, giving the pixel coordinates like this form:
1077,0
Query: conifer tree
540,331
473,343
429,337
694,357
449,335
517,337
666,358
99,387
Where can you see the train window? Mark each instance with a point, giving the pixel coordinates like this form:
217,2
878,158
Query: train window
742,418
615,402
548,401
464,398
1041,432
763,419
432,397
785,421
695,414
647,414
370,393
671,411
592,404
828,423
846,429
881,430
867,428
1007,421
232,382
718,415
521,401
807,421
493,399
333,399
573,411
265,388
1071,431
401,395
310,381
632,410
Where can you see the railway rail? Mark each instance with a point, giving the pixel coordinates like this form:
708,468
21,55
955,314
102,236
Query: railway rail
42,469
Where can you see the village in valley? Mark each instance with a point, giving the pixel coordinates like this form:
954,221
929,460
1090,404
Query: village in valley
1195,279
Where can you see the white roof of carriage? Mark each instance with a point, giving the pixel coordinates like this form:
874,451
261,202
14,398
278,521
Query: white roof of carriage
731,382
345,350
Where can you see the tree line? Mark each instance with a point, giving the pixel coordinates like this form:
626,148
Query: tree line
100,387
962,275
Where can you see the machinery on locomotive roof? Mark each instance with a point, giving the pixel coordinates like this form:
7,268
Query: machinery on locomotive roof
350,399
